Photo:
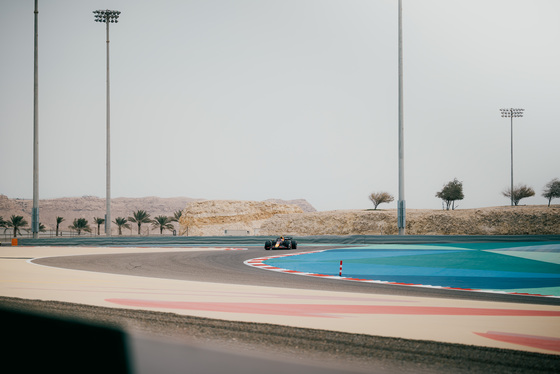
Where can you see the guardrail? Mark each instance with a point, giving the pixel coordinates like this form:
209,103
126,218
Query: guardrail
175,241
7,235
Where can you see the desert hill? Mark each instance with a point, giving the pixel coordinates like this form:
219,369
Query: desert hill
89,207
247,218
294,217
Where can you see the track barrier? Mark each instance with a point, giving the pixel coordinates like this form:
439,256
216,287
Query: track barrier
259,240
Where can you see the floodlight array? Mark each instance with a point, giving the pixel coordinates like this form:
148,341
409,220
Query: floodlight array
106,15
512,112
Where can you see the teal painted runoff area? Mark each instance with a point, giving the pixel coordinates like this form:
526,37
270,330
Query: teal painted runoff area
530,267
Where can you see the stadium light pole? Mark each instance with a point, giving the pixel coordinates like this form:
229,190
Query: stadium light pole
401,206
35,210
108,16
510,113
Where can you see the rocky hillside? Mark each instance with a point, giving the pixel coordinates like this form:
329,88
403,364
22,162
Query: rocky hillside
248,218
302,203
231,217
89,207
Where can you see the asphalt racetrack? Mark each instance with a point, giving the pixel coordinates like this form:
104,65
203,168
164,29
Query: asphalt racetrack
387,326
229,267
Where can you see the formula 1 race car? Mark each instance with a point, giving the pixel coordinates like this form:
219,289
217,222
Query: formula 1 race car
281,242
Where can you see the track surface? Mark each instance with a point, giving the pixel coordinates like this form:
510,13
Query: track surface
228,267
217,273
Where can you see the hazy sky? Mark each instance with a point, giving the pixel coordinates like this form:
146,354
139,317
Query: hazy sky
258,99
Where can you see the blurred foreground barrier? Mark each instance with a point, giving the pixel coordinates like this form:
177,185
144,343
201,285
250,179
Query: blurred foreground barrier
33,343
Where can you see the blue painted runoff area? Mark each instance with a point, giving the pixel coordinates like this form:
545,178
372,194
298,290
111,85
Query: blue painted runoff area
521,267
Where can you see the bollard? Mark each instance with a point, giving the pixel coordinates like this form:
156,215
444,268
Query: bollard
14,242
340,271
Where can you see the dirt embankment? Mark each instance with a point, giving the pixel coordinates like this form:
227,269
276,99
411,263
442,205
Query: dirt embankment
521,220
219,217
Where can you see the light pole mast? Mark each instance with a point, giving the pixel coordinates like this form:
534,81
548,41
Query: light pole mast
108,16
401,206
35,210
511,112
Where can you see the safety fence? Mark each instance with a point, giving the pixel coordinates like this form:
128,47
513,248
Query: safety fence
353,240
6,235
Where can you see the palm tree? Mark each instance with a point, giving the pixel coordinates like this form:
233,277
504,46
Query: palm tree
139,217
16,222
42,228
58,222
176,216
121,222
80,224
2,222
99,222
163,222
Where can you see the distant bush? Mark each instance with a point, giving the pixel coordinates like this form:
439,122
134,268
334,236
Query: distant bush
521,191
380,198
450,192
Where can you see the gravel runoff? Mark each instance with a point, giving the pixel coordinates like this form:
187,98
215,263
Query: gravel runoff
348,352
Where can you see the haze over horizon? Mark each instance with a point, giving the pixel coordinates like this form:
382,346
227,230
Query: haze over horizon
294,99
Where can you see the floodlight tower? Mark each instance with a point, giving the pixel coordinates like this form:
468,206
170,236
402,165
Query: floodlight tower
510,113
401,205
35,210
108,16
